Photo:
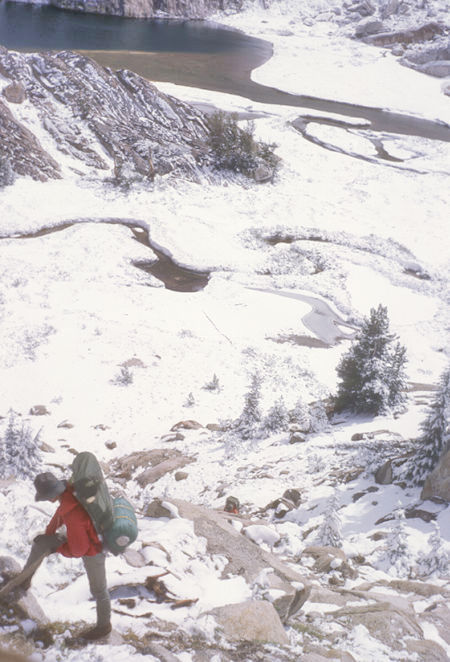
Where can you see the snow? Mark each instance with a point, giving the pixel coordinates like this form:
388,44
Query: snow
73,309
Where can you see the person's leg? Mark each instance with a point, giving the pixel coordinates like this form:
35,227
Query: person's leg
42,546
96,573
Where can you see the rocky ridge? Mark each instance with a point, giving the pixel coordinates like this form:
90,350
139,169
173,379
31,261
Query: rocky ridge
62,112
193,9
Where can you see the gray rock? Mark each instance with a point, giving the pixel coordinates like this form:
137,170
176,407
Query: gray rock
181,475
368,26
155,463
39,410
245,557
156,509
414,35
437,484
30,608
186,425
426,651
383,621
15,92
439,68
263,174
297,438
134,558
384,474
389,8
8,566
438,615
254,620
155,473
159,652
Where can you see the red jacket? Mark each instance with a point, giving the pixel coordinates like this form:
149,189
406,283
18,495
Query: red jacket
82,538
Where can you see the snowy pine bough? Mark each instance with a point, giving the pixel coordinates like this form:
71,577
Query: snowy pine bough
19,452
435,438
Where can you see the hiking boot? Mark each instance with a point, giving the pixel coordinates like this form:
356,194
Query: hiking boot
96,633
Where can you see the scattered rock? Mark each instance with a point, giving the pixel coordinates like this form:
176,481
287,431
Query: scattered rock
215,427
39,410
65,424
384,622
29,607
155,473
263,174
15,92
186,425
46,448
111,445
159,652
415,35
426,651
101,426
384,475
245,558
157,462
181,475
156,509
177,436
418,513
134,558
347,475
297,438
439,68
328,559
368,26
254,620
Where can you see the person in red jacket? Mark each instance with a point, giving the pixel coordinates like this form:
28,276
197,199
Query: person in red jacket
78,540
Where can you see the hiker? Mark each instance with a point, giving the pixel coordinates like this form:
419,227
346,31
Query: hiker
80,540
232,505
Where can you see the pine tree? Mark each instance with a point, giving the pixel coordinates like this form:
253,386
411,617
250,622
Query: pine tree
20,452
437,560
397,553
372,372
330,530
300,416
249,420
435,438
277,418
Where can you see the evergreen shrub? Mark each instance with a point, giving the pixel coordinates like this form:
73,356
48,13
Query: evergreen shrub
372,373
235,148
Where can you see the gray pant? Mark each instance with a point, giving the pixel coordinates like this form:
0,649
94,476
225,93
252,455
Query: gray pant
95,570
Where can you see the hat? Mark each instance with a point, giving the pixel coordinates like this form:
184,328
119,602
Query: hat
48,487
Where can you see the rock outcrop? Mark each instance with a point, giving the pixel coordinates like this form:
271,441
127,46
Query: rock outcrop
150,8
246,558
92,120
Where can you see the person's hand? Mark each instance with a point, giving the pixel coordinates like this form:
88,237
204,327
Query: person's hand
51,542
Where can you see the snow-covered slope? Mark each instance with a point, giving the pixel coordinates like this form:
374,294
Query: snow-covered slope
117,360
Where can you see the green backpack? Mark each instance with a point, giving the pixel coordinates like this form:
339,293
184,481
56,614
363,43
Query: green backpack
114,519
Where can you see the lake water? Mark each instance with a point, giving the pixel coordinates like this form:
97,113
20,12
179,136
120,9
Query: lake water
193,53
33,27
